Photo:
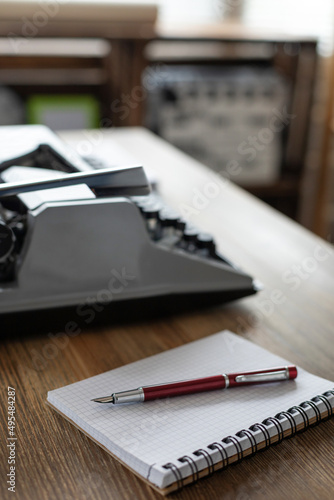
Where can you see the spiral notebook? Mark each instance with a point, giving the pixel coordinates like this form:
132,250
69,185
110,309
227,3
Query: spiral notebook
173,442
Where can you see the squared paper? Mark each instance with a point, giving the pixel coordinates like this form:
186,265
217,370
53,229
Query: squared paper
145,436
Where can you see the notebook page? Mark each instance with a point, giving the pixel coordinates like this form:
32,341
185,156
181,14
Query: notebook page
146,436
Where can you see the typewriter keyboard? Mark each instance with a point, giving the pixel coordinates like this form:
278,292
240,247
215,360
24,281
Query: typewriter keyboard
167,228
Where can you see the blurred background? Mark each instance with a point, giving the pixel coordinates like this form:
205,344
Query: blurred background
244,86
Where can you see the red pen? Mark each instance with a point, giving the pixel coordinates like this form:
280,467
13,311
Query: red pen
223,381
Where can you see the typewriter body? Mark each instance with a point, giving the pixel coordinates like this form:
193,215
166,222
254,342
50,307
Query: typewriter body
68,236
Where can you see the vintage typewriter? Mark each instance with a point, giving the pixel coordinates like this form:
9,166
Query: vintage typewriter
73,232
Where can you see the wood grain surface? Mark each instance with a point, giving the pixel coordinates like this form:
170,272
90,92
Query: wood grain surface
293,317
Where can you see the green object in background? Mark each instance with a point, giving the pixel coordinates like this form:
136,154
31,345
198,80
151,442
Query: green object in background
64,112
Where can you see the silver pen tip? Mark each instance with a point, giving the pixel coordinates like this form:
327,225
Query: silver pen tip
106,399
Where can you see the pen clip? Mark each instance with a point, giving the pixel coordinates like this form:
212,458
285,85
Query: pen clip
264,377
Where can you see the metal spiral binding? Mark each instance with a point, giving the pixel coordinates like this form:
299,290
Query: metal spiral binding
303,414
222,451
265,433
279,428
250,434
176,472
192,464
326,403
208,459
316,410
238,447
291,421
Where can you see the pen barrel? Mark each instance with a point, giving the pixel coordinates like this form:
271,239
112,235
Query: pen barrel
185,387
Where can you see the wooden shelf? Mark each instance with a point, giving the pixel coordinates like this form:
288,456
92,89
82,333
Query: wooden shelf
229,31
295,57
51,47
282,188
61,77
180,50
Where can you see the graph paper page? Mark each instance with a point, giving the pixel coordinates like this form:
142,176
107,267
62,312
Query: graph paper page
148,435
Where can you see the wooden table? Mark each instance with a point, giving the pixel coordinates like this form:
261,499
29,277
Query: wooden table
56,461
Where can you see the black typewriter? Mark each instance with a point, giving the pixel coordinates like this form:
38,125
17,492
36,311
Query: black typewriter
73,232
